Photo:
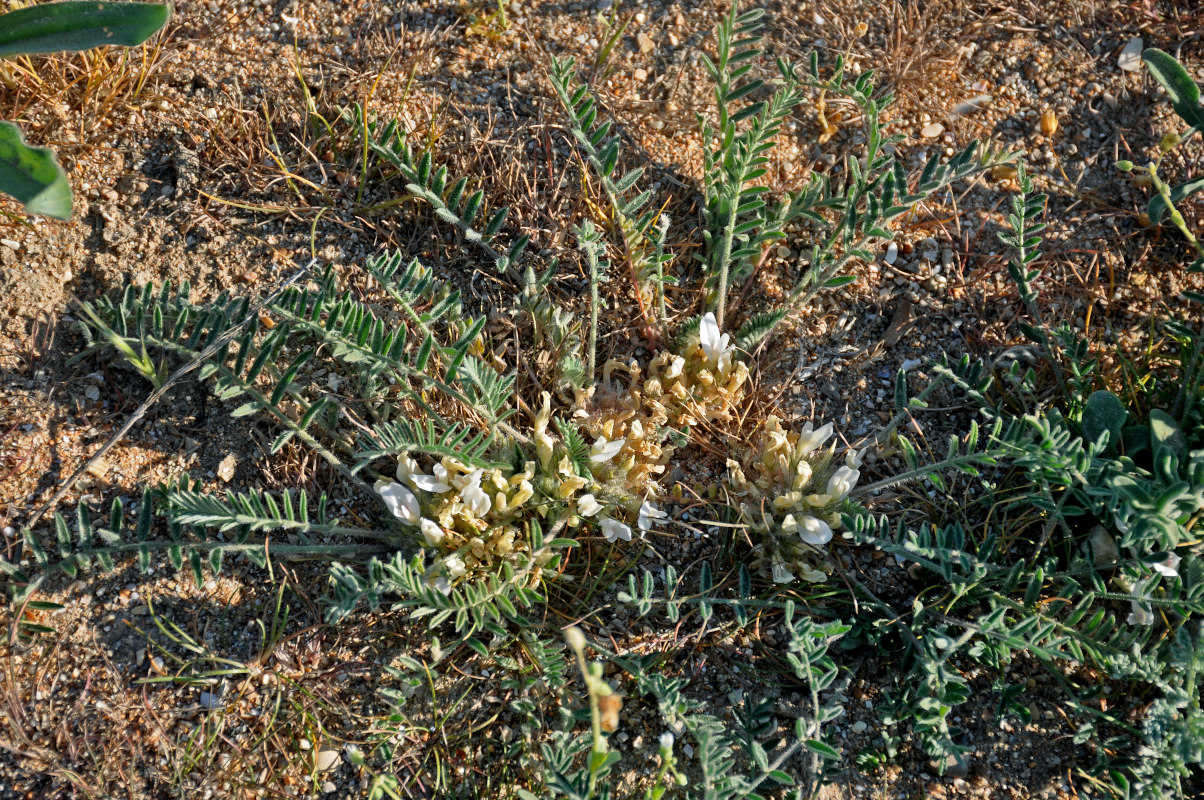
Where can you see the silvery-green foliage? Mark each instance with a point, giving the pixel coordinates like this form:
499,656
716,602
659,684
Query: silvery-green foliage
741,218
737,761
259,364
434,185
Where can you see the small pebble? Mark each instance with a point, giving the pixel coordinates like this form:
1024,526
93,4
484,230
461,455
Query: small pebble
966,107
326,760
1130,58
932,130
860,726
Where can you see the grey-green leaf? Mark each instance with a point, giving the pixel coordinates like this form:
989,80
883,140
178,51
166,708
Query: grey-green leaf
1165,432
1103,412
32,175
51,27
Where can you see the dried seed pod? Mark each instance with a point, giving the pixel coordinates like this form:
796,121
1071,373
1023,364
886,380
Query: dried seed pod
1049,122
608,706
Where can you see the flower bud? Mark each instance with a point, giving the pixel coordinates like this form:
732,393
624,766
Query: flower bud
1124,166
575,639
1169,142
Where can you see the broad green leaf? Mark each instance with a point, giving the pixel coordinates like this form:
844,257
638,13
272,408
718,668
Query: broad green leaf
1157,206
32,175
1183,91
51,27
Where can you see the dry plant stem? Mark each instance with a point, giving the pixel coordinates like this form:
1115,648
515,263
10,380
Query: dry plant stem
154,396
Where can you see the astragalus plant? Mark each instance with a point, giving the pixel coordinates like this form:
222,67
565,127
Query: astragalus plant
480,500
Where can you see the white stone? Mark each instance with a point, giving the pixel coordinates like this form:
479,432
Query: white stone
932,130
1130,58
326,760
966,107
892,253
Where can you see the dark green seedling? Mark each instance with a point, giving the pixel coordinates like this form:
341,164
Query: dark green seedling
32,174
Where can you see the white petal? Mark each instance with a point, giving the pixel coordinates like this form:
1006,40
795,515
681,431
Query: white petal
781,574
401,501
675,367
649,514
1168,567
431,532
455,566
714,344
842,482
614,530
430,483
814,530
1140,615
604,451
588,505
809,439
475,498
406,467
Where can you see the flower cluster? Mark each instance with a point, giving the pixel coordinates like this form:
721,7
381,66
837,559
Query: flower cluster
677,390
789,490
475,518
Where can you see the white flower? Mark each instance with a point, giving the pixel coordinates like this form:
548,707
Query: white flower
474,497
814,530
648,515
714,344
802,475
588,505
1168,566
436,483
406,467
853,458
604,451
431,532
666,741
401,501
455,566
443,585
781,574
1141,614
842,482
543,442
675,367
809,438
614,530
